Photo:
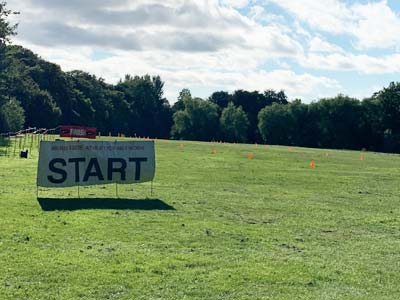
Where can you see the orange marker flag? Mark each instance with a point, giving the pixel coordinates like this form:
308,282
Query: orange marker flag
214,152
362,156
250,156
312,164
290,149
181,146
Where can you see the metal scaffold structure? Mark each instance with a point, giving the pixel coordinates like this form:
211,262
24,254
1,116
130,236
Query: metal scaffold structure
25,143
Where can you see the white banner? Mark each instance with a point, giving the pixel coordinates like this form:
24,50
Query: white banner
73,163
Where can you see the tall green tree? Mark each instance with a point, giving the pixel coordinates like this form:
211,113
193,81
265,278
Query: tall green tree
150,110
389,99
120,114
303,130
271,96
40,108
12,116
252,103
234,124
6,28
89,99
197,121
339,122
372,127
11,113
276,124
184,95
221,98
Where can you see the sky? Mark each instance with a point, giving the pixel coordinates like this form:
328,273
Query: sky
308,48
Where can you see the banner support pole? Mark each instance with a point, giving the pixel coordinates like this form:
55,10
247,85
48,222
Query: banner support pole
116,190
7,146
151,189
30,148
15,144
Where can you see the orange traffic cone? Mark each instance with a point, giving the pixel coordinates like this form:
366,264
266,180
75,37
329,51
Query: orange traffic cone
312,164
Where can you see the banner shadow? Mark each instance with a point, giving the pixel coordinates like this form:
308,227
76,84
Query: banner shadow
51,204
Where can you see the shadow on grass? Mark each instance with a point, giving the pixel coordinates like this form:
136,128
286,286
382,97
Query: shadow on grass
51,204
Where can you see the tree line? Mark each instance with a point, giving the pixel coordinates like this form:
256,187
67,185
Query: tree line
36,93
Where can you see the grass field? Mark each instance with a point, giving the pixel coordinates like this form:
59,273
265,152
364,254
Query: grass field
217,227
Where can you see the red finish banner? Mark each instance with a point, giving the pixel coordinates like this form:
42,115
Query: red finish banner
78,132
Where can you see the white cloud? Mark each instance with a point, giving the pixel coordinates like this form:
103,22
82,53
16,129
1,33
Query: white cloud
259,14
373,24
328,15
300,31
319,45
350,62
377,26
236,3
186,26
